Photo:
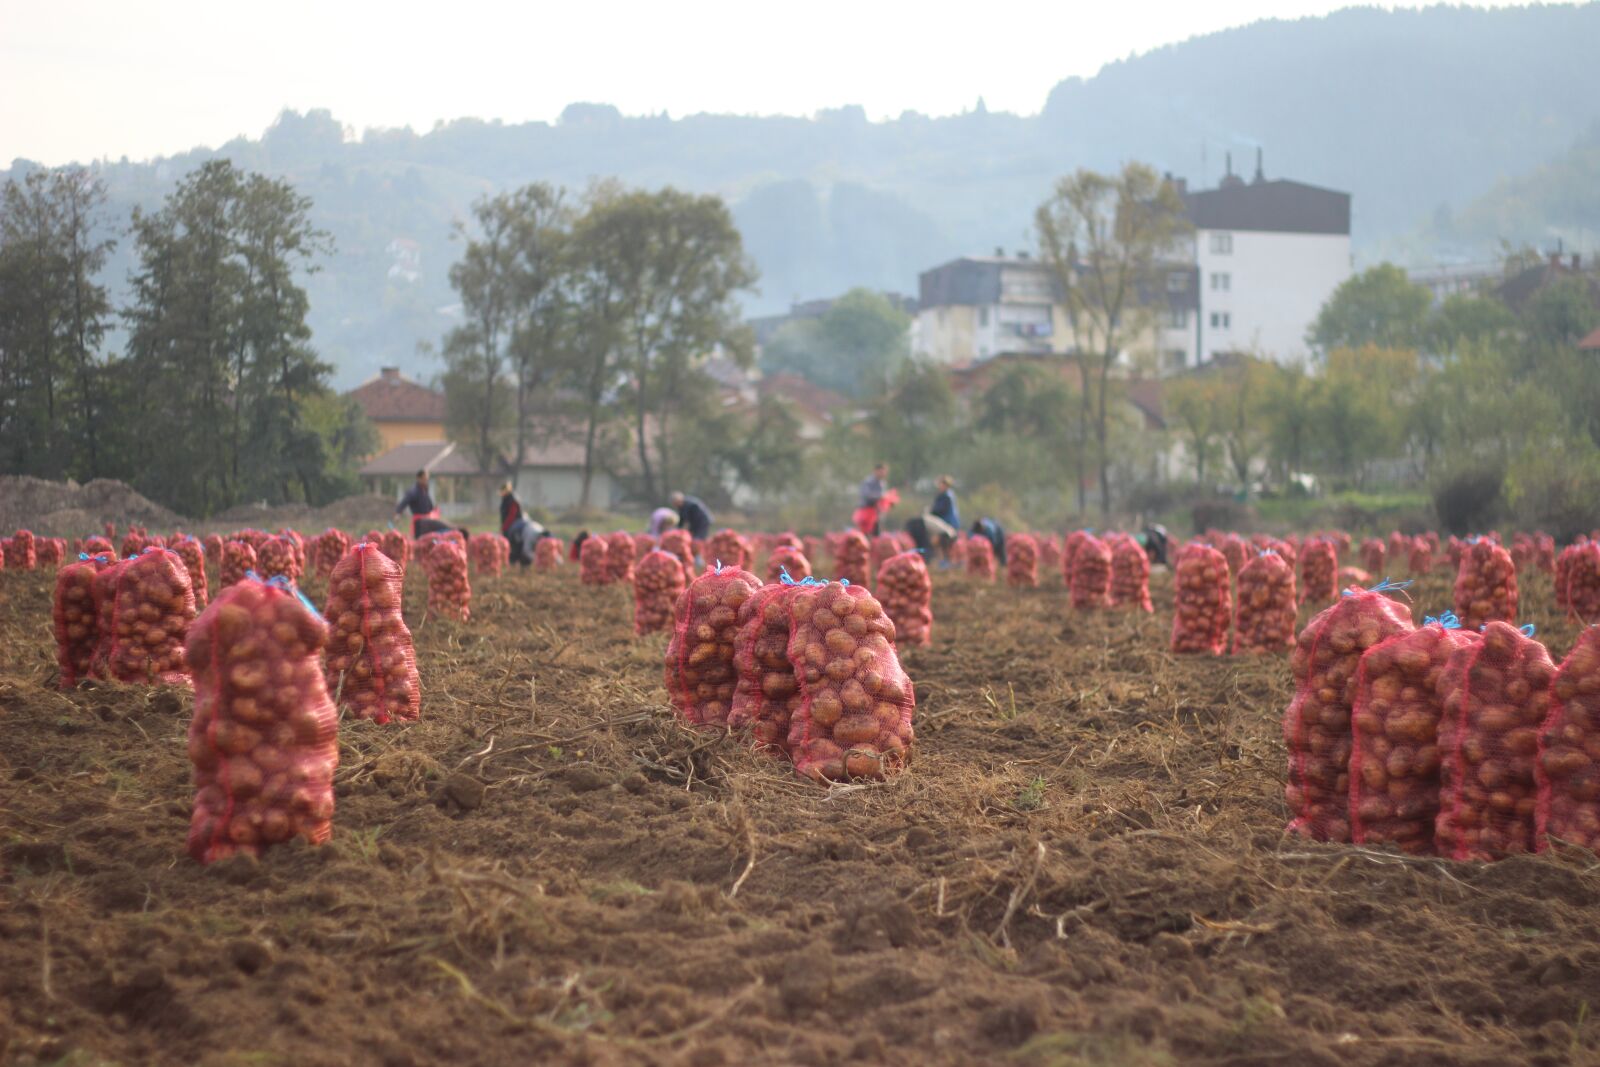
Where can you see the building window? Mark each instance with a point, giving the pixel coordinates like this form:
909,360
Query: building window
983,316
1221,282
1177,281
1177,318
1222,244
1219,320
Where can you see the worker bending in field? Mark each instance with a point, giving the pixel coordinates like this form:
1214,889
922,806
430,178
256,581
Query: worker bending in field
876,499
420,503
522,532
662,520
995,534
693,515
942,520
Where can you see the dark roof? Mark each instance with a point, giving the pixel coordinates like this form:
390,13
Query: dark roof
973,280
1147,394
392,397
1591,342
435,457
1277,206
1516,290
810,400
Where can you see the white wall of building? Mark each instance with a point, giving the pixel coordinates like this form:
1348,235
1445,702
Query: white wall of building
560,488
1263,290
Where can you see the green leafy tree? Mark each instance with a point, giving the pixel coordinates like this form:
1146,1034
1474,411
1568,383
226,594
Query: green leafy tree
853,348
1197,404
1380,306
1466,318
1105,236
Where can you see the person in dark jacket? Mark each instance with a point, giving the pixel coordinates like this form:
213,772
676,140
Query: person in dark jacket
944,505
693,516
996,536
930,537
522,532
420,503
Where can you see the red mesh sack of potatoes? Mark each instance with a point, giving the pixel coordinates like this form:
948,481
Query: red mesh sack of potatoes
238,559
658,582
77,618
980,557
680,544
21,552
548,554
883,546
1486,585
98,546
1091,574
1341,542
1130,575
1316,725
700,673
786,559
371,661
395,545
643,544
1372,555
264,738
105,601
49,551
484,553
1022,561
1319,572
1568,771
1050,550
449,591
298,544
766,691
1521,550
1069,553
812,547
1495,696
132,544
1203,608
1544,553
150,619
1265,615
1419,557
1398,547
905,591
330,548
592,559
1236,550
619,556
194,561
213,546
852,558
730,549
958,552
275,559
1578,582
856,703
1394,755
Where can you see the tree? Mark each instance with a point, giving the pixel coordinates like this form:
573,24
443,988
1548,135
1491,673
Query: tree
1197,403
853,348
1466,318
476,351
913,420
1380,306
1105,236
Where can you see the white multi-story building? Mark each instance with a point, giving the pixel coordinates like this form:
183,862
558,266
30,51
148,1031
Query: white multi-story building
1263,259
1269,253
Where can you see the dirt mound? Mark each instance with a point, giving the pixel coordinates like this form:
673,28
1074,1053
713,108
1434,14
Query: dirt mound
1085,865
67,509
355,514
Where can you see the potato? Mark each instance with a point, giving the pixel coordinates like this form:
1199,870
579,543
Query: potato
449,590
1265,618
1486,585
1130,574
263,769
701,676
979,553
1203,606
1091,574
1394,765
77,618
593,559
905,591
371,665
1022,561
854,716
1318,724
1319,572
658,582
1493,692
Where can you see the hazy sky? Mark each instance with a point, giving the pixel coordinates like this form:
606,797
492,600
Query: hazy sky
83,79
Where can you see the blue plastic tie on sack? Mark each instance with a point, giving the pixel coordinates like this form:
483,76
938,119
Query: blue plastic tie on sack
1528,630
279,581
1384,586
1448,620
809,580
719,566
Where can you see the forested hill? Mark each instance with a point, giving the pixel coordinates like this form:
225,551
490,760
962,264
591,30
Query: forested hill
1415,112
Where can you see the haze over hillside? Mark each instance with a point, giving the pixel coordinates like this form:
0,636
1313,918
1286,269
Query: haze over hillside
1419,114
